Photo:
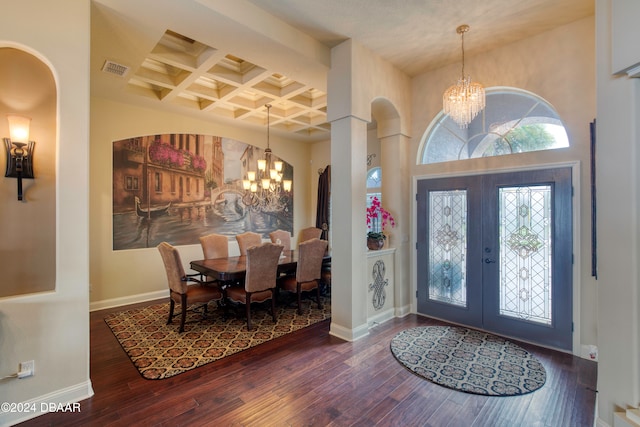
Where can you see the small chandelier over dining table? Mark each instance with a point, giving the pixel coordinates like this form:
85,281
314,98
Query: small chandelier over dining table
265,186
464,100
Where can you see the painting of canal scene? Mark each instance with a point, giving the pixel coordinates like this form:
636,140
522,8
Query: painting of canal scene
178,187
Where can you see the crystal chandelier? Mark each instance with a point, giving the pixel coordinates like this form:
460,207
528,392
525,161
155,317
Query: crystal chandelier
265,187
464,100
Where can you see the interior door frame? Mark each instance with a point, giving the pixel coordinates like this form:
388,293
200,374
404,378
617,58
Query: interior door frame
575,176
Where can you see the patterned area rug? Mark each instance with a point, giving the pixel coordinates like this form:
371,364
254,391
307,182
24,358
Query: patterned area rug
158,351
468,360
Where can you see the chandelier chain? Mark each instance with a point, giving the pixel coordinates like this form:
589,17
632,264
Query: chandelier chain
268,122
462,44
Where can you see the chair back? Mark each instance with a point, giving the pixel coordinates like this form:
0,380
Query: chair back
309,233
215,246
173,267
310,255
283,236
262,267
247,240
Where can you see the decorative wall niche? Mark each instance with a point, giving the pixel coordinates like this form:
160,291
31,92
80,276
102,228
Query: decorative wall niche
28,227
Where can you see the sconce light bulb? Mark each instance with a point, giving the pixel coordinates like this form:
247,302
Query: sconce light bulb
18,128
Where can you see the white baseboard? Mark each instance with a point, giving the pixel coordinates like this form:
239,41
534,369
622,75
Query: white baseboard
348,334
131,299
380,318
403,311
65,399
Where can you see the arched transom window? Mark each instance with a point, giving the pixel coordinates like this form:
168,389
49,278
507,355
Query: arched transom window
513,121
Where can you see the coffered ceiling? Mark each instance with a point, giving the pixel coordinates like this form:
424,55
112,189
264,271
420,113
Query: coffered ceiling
223,60
200,78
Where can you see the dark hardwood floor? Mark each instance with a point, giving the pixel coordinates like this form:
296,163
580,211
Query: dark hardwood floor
310,378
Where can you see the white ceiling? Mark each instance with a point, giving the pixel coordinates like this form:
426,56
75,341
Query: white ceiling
224,60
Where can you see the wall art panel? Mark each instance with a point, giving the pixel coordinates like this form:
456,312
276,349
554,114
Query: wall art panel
178,187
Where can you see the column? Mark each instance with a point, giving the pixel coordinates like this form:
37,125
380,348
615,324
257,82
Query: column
348,205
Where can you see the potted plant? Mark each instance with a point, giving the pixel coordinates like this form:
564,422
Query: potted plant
377,219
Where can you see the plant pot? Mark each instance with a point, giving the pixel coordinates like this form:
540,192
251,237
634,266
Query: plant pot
375,244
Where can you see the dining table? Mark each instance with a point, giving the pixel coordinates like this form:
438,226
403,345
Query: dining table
234,268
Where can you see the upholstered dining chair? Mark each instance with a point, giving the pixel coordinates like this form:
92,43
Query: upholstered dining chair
308,234
215,246
247,240
260,279
180,291
284,238
308,272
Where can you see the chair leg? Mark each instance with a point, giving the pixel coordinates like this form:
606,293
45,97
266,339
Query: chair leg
183,315
248,308
273,304
299,292
172,305
318,296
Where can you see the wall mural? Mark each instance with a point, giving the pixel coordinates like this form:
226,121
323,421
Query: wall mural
178,187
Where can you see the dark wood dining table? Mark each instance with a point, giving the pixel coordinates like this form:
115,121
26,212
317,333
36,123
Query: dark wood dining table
234,268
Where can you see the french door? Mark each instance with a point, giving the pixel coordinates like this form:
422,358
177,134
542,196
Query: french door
495,252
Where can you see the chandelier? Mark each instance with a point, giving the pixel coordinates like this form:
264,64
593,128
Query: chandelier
265,187
464,100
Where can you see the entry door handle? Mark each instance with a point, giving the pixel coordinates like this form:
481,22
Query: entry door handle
489,260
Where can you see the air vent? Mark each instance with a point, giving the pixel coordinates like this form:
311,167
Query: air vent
115,68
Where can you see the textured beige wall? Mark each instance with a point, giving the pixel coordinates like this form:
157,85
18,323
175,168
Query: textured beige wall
52,328
618,139
121,276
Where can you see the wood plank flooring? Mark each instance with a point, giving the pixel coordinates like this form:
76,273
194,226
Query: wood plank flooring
309,378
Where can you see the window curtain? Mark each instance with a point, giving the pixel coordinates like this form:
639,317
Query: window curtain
324,193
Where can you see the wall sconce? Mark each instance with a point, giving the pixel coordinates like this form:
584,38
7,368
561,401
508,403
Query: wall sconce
19,150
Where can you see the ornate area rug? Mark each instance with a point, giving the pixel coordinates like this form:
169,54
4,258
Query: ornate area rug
159,351
468,360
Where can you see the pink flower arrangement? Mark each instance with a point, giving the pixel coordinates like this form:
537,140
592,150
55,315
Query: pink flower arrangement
166,154
199,163
377,219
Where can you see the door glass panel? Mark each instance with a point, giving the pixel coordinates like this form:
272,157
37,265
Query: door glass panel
525,253
448,247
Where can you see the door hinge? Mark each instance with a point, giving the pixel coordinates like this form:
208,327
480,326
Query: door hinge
571,326
416,294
